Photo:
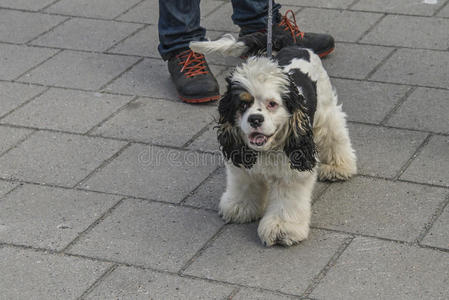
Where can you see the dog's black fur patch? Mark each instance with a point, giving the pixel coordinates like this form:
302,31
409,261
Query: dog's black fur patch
308,89
300,148
285,56
231,144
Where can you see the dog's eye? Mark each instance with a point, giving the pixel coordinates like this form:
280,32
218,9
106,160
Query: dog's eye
243,106
272,104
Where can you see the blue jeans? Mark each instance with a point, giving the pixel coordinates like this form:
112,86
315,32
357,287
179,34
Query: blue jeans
179,21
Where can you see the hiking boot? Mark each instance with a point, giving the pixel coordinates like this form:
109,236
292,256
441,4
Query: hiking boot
192,77
287,33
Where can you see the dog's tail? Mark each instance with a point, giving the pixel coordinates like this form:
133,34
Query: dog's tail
227,45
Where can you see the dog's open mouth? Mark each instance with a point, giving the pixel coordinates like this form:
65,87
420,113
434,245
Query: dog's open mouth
258,139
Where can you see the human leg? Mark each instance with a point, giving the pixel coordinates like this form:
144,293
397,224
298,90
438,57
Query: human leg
179,24
251,16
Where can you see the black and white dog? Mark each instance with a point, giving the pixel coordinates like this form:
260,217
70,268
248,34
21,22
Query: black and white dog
279,128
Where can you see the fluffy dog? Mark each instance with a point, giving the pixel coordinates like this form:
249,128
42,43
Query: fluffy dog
279,128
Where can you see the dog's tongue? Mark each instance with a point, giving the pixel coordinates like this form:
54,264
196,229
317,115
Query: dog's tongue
259,139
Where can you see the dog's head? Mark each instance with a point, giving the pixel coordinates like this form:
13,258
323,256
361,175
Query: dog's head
262,110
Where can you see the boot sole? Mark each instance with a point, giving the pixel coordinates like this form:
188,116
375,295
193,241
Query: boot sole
199,100
326,52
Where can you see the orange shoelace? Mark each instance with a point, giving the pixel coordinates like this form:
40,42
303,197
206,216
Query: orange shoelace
193,63
290,24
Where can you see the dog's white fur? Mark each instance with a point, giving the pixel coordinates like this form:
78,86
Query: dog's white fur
271,189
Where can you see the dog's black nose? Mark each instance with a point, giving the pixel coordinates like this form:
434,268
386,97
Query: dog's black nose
255,120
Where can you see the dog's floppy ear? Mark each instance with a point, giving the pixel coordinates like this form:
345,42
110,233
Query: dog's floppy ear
299,146
229,137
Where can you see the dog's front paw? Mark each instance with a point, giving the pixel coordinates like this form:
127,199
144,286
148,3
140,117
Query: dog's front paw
239,212
343,171
273,230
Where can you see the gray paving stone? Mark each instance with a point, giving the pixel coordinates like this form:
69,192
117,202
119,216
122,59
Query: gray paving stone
207,141
412,7
54,158
13,63
415,67
209,193
220,20
208,7
14,94
5,187
150,234
396,30
444,12
92,8
153,172
11,136
438,236
50,218
383,151
38,275
335,22
101,34
145,12
150,78
394,210
143,43
157,121
25,4
21,27
132,283
354,61
66,110
237,256
318,3
368,102
79,70
374,269
425,109
250,294
148,11
318,189
431,165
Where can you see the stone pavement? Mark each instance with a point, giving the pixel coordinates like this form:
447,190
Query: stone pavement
109,185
